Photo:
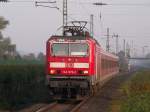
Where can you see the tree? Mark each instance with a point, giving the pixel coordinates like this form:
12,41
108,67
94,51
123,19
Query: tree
3,0
7,50
41,56
30,56
1,36
3,23
123,61
148,55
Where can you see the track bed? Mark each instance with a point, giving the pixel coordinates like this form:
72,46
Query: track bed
102,101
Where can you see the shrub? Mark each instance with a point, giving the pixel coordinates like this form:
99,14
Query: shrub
21,84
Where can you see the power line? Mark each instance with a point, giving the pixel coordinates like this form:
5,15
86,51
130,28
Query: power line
125,4
136,36
129,4
132,36
21,1
87,3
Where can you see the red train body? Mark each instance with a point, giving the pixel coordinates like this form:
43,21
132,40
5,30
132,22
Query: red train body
77,65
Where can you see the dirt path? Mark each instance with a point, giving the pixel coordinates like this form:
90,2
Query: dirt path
101,102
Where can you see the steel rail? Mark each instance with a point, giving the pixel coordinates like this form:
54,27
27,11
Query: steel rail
75,108
47,107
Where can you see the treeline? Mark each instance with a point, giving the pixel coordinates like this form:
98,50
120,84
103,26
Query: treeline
21,62
21,85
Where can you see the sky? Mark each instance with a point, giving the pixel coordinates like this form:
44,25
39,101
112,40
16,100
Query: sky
30,26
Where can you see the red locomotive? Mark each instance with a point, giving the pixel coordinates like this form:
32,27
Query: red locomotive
76,64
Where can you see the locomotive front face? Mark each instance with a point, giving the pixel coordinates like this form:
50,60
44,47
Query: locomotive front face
68,58
73,66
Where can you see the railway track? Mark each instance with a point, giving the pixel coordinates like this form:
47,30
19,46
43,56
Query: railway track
63,106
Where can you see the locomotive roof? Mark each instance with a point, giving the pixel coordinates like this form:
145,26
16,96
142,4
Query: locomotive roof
69,37
88,37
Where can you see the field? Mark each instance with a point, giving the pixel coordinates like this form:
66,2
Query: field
22,84
135,94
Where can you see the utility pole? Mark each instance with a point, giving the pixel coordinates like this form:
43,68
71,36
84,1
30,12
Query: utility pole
107,41
117,43
124,47
128,50
132,48
92,25
144,49
65,14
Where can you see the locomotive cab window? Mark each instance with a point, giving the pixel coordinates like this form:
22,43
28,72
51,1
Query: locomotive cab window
60,49
70,49
78,49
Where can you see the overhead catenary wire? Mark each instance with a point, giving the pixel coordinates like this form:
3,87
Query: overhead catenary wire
129,4
21,1
89,3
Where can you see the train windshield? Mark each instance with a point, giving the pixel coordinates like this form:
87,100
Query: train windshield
67,49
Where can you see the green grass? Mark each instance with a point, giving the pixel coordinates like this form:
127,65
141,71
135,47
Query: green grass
139,84
137,103
136,94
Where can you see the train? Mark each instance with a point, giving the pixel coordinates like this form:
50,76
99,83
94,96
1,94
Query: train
76,64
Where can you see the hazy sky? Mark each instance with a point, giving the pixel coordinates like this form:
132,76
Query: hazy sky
31,26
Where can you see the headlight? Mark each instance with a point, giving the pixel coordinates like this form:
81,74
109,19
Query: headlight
52,71
85,72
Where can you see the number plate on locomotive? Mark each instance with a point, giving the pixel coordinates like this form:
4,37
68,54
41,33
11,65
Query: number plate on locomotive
69,65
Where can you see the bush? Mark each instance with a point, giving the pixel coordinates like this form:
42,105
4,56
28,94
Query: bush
21,84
